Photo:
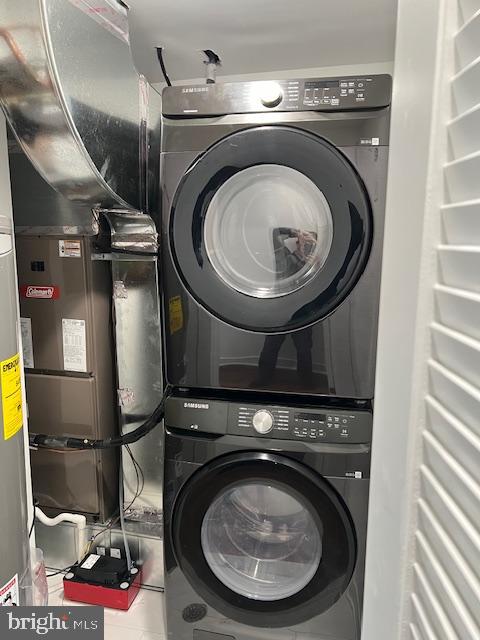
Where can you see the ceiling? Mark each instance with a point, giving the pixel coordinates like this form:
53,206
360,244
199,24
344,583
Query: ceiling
254,36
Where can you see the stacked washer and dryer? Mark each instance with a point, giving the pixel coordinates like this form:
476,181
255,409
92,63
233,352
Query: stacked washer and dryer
273,210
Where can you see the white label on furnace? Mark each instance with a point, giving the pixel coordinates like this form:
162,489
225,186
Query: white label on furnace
74,345
90,561
69,249
9,593
27,342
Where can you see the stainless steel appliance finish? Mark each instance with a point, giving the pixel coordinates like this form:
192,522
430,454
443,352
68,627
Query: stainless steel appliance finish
224,327
313,94
65,304
78,107
275,546
128,249
14,543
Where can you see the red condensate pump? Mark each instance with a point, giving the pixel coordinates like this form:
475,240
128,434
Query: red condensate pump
104,581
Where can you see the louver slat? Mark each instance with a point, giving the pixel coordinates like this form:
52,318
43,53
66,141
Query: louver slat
457,352
461,223
460,266
458,310
466,87
468,37
445,603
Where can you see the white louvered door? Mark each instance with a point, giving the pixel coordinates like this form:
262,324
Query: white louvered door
445,587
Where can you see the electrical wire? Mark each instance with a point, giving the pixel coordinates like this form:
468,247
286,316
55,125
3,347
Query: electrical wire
138,471
67,443
126,546
134,252
33,518
139,489
162,66
56,573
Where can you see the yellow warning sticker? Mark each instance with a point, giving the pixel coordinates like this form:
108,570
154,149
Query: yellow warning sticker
175,312
11,394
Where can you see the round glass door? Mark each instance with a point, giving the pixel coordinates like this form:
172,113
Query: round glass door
268,231
263,539
261,542
271,228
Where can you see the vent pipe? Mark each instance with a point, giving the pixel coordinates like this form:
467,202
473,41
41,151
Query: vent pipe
75,102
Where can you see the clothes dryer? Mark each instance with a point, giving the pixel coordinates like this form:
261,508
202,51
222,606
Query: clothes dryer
273,210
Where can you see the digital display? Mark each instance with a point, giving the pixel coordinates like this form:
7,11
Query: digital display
322,84
310,416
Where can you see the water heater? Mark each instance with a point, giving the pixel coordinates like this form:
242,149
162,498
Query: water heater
14,545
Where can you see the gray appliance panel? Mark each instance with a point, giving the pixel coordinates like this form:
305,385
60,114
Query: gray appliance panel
299,94
362,129
84,293
310,424
83,481
81,402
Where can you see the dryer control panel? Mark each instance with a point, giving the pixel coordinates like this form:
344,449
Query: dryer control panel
312,424
298,94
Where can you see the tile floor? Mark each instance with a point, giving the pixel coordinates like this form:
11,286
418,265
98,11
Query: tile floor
144,620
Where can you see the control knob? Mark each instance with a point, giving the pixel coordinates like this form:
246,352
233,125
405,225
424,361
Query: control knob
271,94
263,421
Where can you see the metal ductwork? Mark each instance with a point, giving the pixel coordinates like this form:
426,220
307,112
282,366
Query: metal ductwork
81,113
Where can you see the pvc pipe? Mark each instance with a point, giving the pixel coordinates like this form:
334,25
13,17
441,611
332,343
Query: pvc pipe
76,519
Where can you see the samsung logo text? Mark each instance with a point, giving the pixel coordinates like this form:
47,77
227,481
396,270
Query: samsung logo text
196,405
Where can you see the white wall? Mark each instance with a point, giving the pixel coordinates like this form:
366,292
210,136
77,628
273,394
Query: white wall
404,312
311,72
253,37
6,209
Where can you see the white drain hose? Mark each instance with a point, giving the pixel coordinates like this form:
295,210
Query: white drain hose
75,518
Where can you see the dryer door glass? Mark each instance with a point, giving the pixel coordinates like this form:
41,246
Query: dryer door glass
261,542
268,231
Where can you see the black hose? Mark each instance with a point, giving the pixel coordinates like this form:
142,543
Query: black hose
134,252
66,442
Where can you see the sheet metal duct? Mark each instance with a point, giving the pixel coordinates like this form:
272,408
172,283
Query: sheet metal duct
77,106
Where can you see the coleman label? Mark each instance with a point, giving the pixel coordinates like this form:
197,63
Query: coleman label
50,292
11,394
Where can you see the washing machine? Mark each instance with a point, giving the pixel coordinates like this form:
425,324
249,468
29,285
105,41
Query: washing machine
272,227
265,509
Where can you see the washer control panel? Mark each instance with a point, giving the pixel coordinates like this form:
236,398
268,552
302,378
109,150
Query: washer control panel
308,424
289,423
298,94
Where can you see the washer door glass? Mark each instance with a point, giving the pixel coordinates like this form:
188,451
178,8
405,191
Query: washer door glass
261,542
263,539
268,231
